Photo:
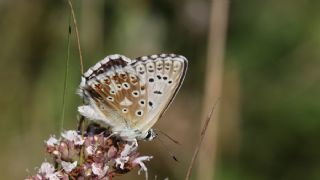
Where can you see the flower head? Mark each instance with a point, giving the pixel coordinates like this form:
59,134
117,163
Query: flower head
101,156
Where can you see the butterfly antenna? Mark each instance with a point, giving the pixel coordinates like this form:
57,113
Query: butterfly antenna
169,137
166,148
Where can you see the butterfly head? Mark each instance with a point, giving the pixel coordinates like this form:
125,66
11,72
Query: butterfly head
150,135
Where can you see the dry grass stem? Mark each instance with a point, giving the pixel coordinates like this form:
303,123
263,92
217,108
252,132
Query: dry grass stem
203,133
213,84
81,119
77,35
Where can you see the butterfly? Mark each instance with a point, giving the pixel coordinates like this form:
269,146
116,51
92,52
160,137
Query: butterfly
130,95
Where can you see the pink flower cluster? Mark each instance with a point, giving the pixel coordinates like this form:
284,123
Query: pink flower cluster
89,156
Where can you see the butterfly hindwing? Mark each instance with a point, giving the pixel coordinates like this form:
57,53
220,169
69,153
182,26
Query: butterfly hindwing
111,89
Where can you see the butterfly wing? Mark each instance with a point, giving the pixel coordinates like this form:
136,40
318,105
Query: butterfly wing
162,75
131,95
111,89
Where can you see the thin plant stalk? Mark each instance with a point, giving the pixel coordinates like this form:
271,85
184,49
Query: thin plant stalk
65,80
77,35
81,120
198,146
213,84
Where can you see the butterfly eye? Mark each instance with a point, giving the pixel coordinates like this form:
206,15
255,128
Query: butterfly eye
150,135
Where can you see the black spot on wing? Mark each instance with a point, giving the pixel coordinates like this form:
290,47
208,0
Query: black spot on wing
157,92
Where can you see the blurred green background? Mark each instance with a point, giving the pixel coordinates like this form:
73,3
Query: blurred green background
269,124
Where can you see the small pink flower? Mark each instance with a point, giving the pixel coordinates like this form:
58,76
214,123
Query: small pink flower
112,152
53,176
73,136
48,171
46,168
52,141
91,149
98,170
67,166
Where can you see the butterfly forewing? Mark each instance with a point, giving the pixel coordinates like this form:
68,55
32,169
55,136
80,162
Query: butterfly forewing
131,95
163,75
